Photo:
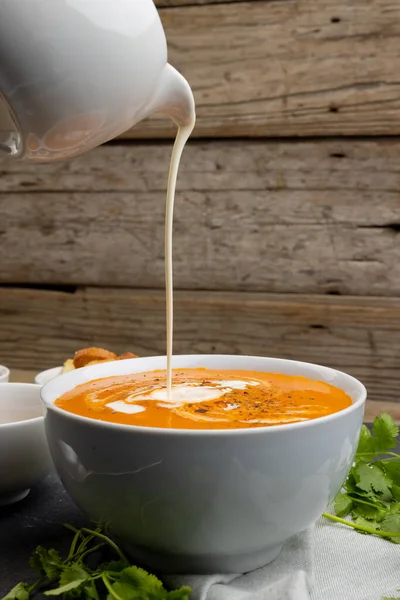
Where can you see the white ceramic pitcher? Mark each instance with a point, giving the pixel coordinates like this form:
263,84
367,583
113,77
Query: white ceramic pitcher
76,73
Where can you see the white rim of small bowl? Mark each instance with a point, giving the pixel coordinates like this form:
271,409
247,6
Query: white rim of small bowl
57,372
141,429
5,372
24,422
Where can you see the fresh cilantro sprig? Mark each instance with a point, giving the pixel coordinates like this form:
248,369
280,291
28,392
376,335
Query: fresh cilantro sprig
371,493
80,575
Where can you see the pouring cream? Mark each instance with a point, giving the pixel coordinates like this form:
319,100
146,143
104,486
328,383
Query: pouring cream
180,141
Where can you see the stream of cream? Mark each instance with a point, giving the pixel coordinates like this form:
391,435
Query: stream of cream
180,141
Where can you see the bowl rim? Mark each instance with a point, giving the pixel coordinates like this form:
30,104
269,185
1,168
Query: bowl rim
24,422
4,372
47,371
271,429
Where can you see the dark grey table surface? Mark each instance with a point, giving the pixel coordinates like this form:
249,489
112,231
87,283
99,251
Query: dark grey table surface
36,520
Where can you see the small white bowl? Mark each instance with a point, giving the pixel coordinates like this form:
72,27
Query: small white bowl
24,454
4,374
45,376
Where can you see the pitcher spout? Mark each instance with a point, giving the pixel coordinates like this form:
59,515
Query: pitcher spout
173,98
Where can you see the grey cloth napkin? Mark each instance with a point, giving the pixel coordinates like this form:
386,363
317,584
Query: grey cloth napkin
330,562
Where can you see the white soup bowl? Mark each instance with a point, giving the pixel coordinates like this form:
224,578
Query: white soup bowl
196,500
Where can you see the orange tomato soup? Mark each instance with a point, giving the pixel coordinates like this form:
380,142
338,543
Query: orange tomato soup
204,399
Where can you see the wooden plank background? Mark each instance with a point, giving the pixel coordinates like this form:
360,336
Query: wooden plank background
286,67
362,335
305,217
287,221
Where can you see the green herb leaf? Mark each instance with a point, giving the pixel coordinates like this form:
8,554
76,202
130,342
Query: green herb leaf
343,505
366,443
19,592
369,513
392,523
125,591
371,479
396,492
47,562
352,489
141,578
385,431
394,508
63,589
113,566
181,594
89,591
365,523
137,583
73,573
391,468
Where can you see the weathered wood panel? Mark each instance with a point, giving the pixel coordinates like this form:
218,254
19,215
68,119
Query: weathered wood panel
176,3
360,335
373,409
314,217
287,67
